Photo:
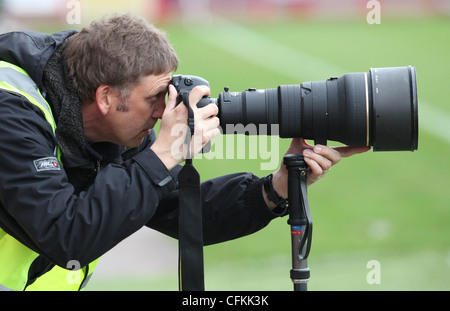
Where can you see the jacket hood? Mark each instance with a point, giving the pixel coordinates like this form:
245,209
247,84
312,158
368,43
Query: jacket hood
31,50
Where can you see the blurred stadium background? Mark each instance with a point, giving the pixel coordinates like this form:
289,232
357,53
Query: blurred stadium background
390,207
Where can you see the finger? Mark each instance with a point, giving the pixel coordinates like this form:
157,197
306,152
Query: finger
208,111
197,93
207,129
324,163
297,146
316,170
210,135
204,132
331,154
209,124
346,151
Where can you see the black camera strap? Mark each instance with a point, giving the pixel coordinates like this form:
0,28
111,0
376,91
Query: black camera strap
190,228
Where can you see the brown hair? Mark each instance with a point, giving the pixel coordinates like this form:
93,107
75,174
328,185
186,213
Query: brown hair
117,51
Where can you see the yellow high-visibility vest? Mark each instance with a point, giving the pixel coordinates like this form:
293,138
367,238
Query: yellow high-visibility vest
15,258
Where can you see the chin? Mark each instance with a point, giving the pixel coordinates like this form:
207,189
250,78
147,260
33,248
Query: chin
136,140
133,144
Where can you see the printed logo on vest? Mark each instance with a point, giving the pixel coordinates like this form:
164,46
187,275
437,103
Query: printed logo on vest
47,164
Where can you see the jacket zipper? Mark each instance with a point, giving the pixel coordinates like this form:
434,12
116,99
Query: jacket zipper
99,165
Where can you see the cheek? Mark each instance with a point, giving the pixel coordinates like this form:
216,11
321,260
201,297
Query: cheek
142,115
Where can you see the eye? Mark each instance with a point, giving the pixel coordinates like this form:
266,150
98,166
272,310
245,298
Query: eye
152,100
156,98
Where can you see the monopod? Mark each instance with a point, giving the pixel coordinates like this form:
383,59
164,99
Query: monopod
299,220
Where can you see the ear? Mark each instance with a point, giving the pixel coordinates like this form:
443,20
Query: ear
105,98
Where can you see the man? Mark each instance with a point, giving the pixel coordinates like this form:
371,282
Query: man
80,166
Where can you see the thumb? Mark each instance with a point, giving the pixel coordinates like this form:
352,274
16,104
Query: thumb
297,146
172,99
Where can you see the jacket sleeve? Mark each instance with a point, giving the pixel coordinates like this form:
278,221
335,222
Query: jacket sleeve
38,205
233,206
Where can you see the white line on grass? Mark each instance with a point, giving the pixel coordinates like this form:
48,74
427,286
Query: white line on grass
260,50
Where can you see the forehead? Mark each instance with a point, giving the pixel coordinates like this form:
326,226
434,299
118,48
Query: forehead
153,84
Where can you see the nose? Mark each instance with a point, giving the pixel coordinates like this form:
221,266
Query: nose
159,109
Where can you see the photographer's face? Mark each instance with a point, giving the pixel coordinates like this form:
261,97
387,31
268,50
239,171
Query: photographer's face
133,119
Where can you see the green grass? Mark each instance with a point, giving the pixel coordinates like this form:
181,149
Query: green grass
391,207
424,270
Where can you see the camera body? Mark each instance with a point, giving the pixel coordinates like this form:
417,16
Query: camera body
185,84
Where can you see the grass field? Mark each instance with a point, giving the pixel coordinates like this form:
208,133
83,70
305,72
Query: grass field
391,207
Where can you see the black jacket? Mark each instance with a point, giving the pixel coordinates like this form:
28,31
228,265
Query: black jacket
107,196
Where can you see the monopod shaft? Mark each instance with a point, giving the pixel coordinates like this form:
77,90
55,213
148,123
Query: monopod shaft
299,220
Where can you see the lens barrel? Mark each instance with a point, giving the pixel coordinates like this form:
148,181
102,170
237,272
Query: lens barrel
376,108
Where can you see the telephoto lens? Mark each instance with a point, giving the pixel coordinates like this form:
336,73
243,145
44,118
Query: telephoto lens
376,108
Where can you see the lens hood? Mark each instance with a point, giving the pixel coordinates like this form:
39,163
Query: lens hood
395,110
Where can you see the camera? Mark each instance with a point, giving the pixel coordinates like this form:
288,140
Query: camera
376,108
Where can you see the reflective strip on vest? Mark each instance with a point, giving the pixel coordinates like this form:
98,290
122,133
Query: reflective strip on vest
15,258
16,80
